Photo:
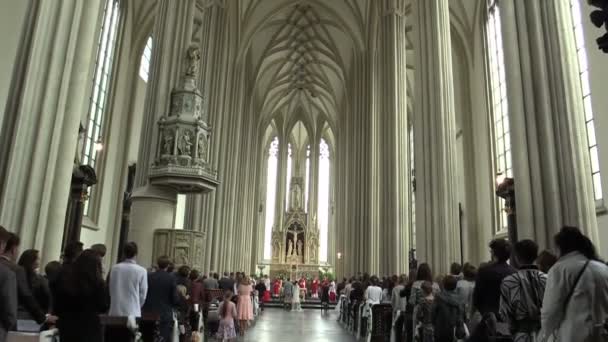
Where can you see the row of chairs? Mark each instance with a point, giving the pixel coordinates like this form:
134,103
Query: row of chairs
353,318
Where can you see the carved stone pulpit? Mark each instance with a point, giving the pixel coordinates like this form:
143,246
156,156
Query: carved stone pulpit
182,152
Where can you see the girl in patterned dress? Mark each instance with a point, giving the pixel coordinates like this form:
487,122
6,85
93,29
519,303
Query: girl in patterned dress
227,310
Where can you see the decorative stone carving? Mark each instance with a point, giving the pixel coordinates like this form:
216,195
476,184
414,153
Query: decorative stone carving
184,135
184,247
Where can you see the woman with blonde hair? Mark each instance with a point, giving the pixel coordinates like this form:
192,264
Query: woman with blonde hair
244,308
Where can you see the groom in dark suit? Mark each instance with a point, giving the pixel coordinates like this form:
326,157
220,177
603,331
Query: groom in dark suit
162,297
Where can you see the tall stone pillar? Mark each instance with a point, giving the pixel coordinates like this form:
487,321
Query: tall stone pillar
281,190
49,92
551,165
313,196
153,206
353,162
391,181
434,124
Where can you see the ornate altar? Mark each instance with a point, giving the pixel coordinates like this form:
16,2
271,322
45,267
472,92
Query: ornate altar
295,243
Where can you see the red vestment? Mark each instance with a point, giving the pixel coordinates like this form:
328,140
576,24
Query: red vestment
315,286
276,288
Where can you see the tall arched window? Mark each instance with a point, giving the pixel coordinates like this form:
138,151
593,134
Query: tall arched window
288,180
271,188
144,64
323,206
307,180
583,73
498,102
93,140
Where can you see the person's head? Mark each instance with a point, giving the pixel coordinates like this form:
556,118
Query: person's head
216,276
455,269
545,261
30,261
424,272
163,263
245,280
194,275
51,270
570,239
71,251
171,267
100,249
427,288
525,252
4,235
449,283
501,250
11,250
183,271
129,251
469,272
87,270
232,275
225,274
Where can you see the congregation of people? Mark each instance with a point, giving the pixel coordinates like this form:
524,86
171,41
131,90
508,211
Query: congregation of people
521,295
72,295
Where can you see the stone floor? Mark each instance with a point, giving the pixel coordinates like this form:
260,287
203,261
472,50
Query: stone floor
276,325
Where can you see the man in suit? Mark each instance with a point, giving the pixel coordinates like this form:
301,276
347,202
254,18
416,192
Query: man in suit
128,285
8,293
162,297
226,283
211,283
28,308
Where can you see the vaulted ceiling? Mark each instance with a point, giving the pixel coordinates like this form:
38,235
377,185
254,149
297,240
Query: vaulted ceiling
300,52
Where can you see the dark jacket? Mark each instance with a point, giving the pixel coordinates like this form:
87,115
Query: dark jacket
28,307
8,301
448,314
226,284
78,309
486,296
162,295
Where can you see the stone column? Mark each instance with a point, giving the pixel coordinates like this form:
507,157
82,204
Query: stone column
153,206
434,124
313,196
551,165
49,92
281,180
353,162
391,181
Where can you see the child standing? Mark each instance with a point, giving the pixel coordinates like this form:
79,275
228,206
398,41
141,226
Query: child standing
448,313
227,310
424,312
295,300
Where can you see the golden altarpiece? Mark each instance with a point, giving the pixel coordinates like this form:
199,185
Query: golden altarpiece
295,242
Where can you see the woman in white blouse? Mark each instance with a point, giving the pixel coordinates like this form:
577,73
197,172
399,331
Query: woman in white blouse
373,293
